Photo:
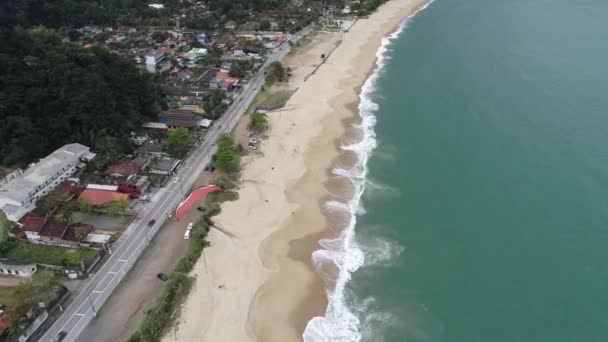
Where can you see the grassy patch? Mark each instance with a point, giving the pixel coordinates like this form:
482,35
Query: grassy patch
165,308
6,295
303,43
269,98
20,251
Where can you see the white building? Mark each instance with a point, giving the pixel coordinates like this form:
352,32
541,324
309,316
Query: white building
153,58
156,6
19,195
195,55
16,269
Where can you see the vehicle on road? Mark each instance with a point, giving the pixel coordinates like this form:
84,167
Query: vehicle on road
176,180
190,226
201,209
60,336
162,276
187,234
151,222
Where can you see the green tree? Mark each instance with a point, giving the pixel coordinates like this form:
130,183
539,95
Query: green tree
159,36
116,207
259,122
213,101
178,142
42,287
276,73
264,25
228,160
66,211
80,233
225,141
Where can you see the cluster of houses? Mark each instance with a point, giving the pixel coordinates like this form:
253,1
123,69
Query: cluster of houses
192,62
22,193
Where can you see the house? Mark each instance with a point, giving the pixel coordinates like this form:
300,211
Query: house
17,269
46,231
97,197
205,123
139,138
152,148
195,55
153,58
230,25
165,166
249,49
134,185
19,195
156,6
155,126
202,38
179,118
124,169
238,51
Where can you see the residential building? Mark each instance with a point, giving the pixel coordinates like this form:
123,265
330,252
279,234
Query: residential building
164,166
17,269
195,55
19,195
179,118
97,197
134,185
230,25
124,169
139,138
153,57
48,231
156,6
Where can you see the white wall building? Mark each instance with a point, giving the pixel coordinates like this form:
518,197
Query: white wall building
16,269
195,55
19,196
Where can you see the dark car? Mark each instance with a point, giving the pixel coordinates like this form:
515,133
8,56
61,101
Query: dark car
162,276
60,336
201,209
151,222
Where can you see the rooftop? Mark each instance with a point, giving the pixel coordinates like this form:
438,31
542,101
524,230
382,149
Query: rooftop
101,197
48,167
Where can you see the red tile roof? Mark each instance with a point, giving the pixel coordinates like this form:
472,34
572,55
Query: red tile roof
100,197
122,169
33,224
5,322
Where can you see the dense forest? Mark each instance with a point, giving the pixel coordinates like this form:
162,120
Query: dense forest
78,13
53,93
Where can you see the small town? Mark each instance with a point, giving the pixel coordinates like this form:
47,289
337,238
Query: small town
67,215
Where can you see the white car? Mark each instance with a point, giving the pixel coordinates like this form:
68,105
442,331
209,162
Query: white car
190,226
187,235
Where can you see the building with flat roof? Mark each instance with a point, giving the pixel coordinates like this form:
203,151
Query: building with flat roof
19,195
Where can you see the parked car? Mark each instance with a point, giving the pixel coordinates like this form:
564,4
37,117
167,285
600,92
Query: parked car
151,222
201,209
190,226
60,336
162,276
187,234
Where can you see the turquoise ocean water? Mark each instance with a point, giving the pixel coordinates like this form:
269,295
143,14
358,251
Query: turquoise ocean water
485,211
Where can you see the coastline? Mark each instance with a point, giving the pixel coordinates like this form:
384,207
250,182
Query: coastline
262,284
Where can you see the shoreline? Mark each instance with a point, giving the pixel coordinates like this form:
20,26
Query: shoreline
262,284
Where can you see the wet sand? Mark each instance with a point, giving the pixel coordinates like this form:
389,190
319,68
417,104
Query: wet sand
260,285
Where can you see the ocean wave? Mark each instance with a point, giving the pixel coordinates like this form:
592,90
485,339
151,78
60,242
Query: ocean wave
340,323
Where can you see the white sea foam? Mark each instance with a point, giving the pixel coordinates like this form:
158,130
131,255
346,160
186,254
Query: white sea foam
340,324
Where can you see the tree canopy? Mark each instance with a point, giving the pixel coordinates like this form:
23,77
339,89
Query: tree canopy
53,93
178,142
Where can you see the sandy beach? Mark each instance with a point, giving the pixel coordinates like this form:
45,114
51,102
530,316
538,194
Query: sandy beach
260,285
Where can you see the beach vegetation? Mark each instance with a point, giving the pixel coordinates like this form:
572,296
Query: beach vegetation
276,73
166,306
228,160
258,122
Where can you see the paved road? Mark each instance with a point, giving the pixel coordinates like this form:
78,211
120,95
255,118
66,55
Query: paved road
129,247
